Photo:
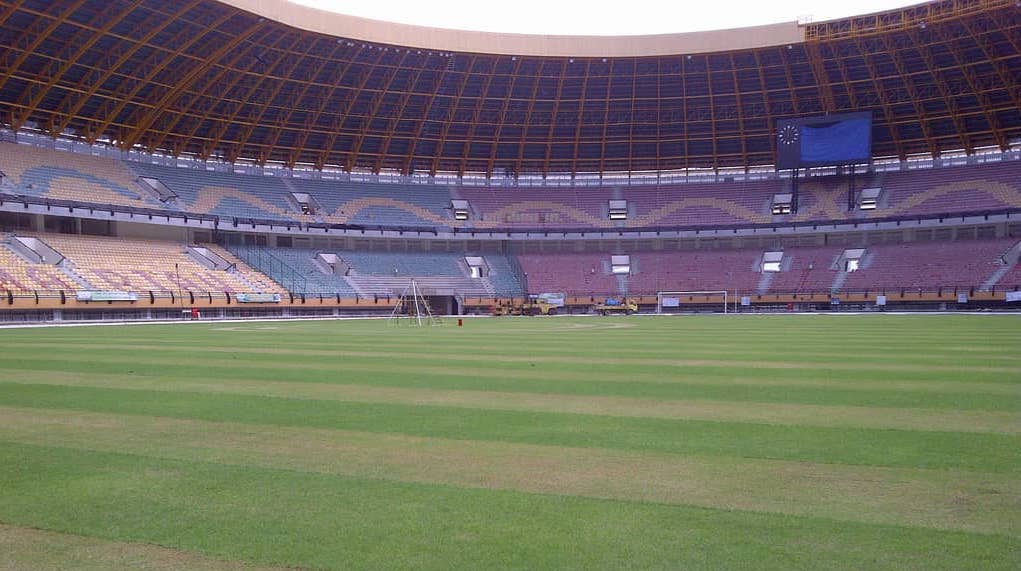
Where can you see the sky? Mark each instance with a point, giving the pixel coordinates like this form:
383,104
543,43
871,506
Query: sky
601,17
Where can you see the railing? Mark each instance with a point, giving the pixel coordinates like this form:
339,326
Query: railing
515,266
899,292
262,260
231,223
814,224
53,299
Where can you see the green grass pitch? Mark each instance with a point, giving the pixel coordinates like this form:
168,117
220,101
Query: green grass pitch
713,442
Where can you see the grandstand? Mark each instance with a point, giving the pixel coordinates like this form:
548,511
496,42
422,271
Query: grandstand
70,176
391,180
131,265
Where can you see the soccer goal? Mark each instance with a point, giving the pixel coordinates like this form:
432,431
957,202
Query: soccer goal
674,300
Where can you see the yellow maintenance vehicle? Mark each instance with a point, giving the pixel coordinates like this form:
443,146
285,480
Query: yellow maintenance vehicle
615,306
544,304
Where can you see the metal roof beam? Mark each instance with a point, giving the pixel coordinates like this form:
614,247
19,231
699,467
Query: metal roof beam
186,82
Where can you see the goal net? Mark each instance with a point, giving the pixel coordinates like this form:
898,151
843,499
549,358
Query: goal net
671,301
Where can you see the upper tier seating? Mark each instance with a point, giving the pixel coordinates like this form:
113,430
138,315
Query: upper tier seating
223,194
267,198
926,191
702,203
63,175
72,176
523,207
989,186
375,204
666,205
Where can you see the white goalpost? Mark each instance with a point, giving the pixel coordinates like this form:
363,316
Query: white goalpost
676,299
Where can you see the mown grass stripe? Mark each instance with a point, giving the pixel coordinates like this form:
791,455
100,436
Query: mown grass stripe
687,385
895,448
326,521
565,358
36,550
941,499
940,420
384,362
944,357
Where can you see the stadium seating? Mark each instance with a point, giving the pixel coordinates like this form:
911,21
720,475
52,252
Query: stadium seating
921,265
296,268
513,207
19,275
46,173
808,270
928,265
569,273
1012,279
381,273
125,264
78,177
722,203
223,194
502,276
374,204
390,272
988,186
732,270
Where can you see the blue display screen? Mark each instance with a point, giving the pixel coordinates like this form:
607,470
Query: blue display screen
824,140
836,143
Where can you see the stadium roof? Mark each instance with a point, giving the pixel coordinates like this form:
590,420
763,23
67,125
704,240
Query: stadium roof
211,79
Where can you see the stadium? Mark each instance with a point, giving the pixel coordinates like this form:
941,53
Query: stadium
818,223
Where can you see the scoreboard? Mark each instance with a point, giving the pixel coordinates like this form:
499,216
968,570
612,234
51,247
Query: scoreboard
840,139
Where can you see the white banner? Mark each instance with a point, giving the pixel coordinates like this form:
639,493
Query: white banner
1013,296
746,301
258,298
962,298
106,296
880,300
671,302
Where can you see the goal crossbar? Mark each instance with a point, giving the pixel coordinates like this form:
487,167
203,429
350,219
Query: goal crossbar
677,295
